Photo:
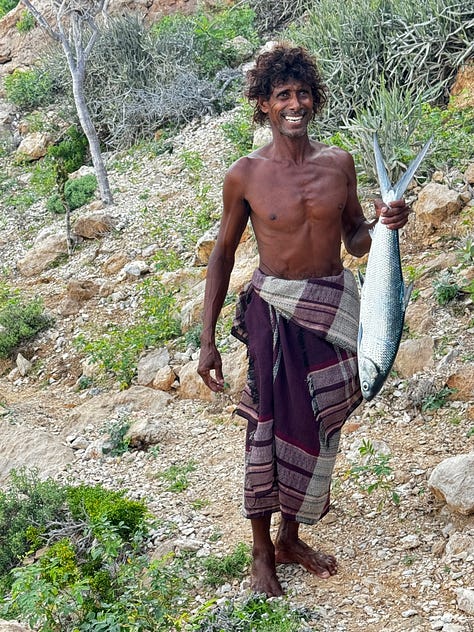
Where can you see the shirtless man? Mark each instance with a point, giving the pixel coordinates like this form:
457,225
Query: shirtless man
301,198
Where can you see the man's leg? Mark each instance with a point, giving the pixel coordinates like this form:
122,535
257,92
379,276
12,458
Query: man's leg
289,549
263,575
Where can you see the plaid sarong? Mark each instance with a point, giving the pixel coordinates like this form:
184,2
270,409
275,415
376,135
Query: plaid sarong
302,385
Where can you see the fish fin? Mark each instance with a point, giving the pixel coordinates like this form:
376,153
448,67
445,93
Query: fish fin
407,177
406,294
385,184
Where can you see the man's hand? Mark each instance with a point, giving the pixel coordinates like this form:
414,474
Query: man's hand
395,215
210,360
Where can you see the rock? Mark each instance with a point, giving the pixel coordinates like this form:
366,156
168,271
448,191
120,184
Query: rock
144,433
24,446
81,290
414,355
462,90
460,546
94,225
435,203
43,254
469,174
13,626
205,246
100,408
191,385
150,363
452,480
134,270
462,382
465,599
23,365
34,146
164,379
241,48
114,263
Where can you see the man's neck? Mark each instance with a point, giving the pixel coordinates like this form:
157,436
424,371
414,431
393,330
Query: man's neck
295,150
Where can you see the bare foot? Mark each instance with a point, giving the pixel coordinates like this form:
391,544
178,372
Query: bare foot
263,578
297,552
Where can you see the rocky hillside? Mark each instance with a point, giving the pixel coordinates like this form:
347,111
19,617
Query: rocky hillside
402,522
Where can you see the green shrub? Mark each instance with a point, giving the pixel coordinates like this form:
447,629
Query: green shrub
29,89
20,321
403,42
452,130
97,504
71,150
26,22
27,502
446,289
6,6
254,613
78,192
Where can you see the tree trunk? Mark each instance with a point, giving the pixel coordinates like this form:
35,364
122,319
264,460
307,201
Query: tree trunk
91,135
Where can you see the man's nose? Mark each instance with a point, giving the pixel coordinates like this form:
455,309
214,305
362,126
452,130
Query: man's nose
294,101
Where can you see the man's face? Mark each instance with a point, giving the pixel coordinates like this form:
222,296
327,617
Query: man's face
289,108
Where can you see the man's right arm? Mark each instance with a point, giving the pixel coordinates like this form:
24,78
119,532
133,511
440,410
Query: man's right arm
221,262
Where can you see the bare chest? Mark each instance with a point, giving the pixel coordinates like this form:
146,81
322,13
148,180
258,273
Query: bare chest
289,197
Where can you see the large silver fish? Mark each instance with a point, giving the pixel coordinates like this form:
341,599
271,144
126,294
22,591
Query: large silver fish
384,296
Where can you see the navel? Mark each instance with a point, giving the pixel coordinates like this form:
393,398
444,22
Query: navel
273,217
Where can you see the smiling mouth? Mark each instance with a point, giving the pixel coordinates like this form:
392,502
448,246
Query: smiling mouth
293,119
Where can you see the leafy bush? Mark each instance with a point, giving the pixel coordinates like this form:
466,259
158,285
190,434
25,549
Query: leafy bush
452,130
29,89
6,6
26,22
254,613
78,192
20,320
96,505
406,43
446,289
71,150
27,507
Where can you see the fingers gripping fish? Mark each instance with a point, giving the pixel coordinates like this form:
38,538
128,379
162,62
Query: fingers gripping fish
384,296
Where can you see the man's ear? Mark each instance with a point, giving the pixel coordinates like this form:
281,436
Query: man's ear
263,105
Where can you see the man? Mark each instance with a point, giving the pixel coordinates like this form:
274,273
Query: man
299,314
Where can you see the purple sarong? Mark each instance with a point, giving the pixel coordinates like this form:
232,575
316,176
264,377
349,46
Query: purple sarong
302,386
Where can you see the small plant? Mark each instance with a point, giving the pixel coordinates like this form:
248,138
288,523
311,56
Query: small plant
78,192
118,442
240,132
437,400
97,504
20,321
29,89
254,613
26,22
6,6
222,569
445,288
176,476
470,432
466,252
375,473
117,348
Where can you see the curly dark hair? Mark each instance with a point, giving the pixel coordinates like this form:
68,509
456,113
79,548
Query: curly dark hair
276,66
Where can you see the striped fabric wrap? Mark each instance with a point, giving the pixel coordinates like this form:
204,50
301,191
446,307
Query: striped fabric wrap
302,386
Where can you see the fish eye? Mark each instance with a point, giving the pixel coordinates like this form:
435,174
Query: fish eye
365,386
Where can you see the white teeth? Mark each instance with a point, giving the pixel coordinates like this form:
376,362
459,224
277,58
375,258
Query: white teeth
293,119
